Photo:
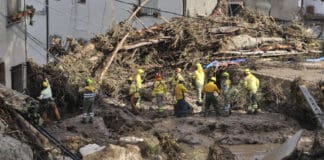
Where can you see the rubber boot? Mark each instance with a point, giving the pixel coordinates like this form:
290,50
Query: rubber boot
255,109
91,117
91,120
84,118
228,110
206,113
250,110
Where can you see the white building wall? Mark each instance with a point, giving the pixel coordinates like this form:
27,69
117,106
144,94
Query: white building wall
318,5
69,18
200,7
280,9
12,48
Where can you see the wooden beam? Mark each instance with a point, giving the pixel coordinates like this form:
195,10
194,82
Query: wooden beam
111,58
137,10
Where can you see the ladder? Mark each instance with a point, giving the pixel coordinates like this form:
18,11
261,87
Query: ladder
312,103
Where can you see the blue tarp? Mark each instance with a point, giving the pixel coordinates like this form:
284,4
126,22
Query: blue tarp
315,60
216,63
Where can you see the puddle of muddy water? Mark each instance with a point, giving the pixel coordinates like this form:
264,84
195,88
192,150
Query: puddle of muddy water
251,151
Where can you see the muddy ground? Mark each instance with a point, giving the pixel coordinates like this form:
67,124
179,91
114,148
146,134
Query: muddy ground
181,43
197,137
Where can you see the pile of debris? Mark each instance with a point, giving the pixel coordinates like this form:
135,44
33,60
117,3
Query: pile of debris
112,57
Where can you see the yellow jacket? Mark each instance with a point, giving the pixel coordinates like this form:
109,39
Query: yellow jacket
138,80
176,78
226,84
251,83
199,75
133,89
180,90
89,88
211,87
159,88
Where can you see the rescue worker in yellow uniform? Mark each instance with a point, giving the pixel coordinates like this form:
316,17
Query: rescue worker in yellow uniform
181,108
89,96
134,94
210,98
199,78
138,78
176,77
159,91
48,103
251,84
226,87
137,90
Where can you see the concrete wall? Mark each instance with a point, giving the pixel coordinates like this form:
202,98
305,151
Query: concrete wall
318,5
12,48
199,7
280,9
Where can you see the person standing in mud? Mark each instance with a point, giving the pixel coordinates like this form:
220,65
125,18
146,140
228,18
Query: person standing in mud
226,86
134,95
175,79
210,98
181,108
88,101
251,84
47,102
138,82
199,79
159,90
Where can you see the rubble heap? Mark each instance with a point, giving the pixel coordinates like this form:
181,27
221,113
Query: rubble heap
162,47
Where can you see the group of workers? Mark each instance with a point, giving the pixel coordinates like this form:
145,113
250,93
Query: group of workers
181,108
48,105
210,90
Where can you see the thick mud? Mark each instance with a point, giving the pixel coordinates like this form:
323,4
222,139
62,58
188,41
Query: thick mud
283,111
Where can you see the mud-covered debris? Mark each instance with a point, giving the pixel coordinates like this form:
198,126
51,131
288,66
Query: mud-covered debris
117,153
74,142
217,152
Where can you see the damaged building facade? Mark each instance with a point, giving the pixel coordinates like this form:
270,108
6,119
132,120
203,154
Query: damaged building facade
12,46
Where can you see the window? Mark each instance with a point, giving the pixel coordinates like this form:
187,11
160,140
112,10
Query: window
18,77
151,10
82,1
2,73
14,11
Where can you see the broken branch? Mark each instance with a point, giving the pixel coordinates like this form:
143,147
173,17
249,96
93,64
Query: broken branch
146,43
111,58
137,9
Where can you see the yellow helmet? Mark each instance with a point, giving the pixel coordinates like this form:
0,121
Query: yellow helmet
198,65
247,71
130,79
213,79
225,74
45,84
140,71
89,81
178,70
